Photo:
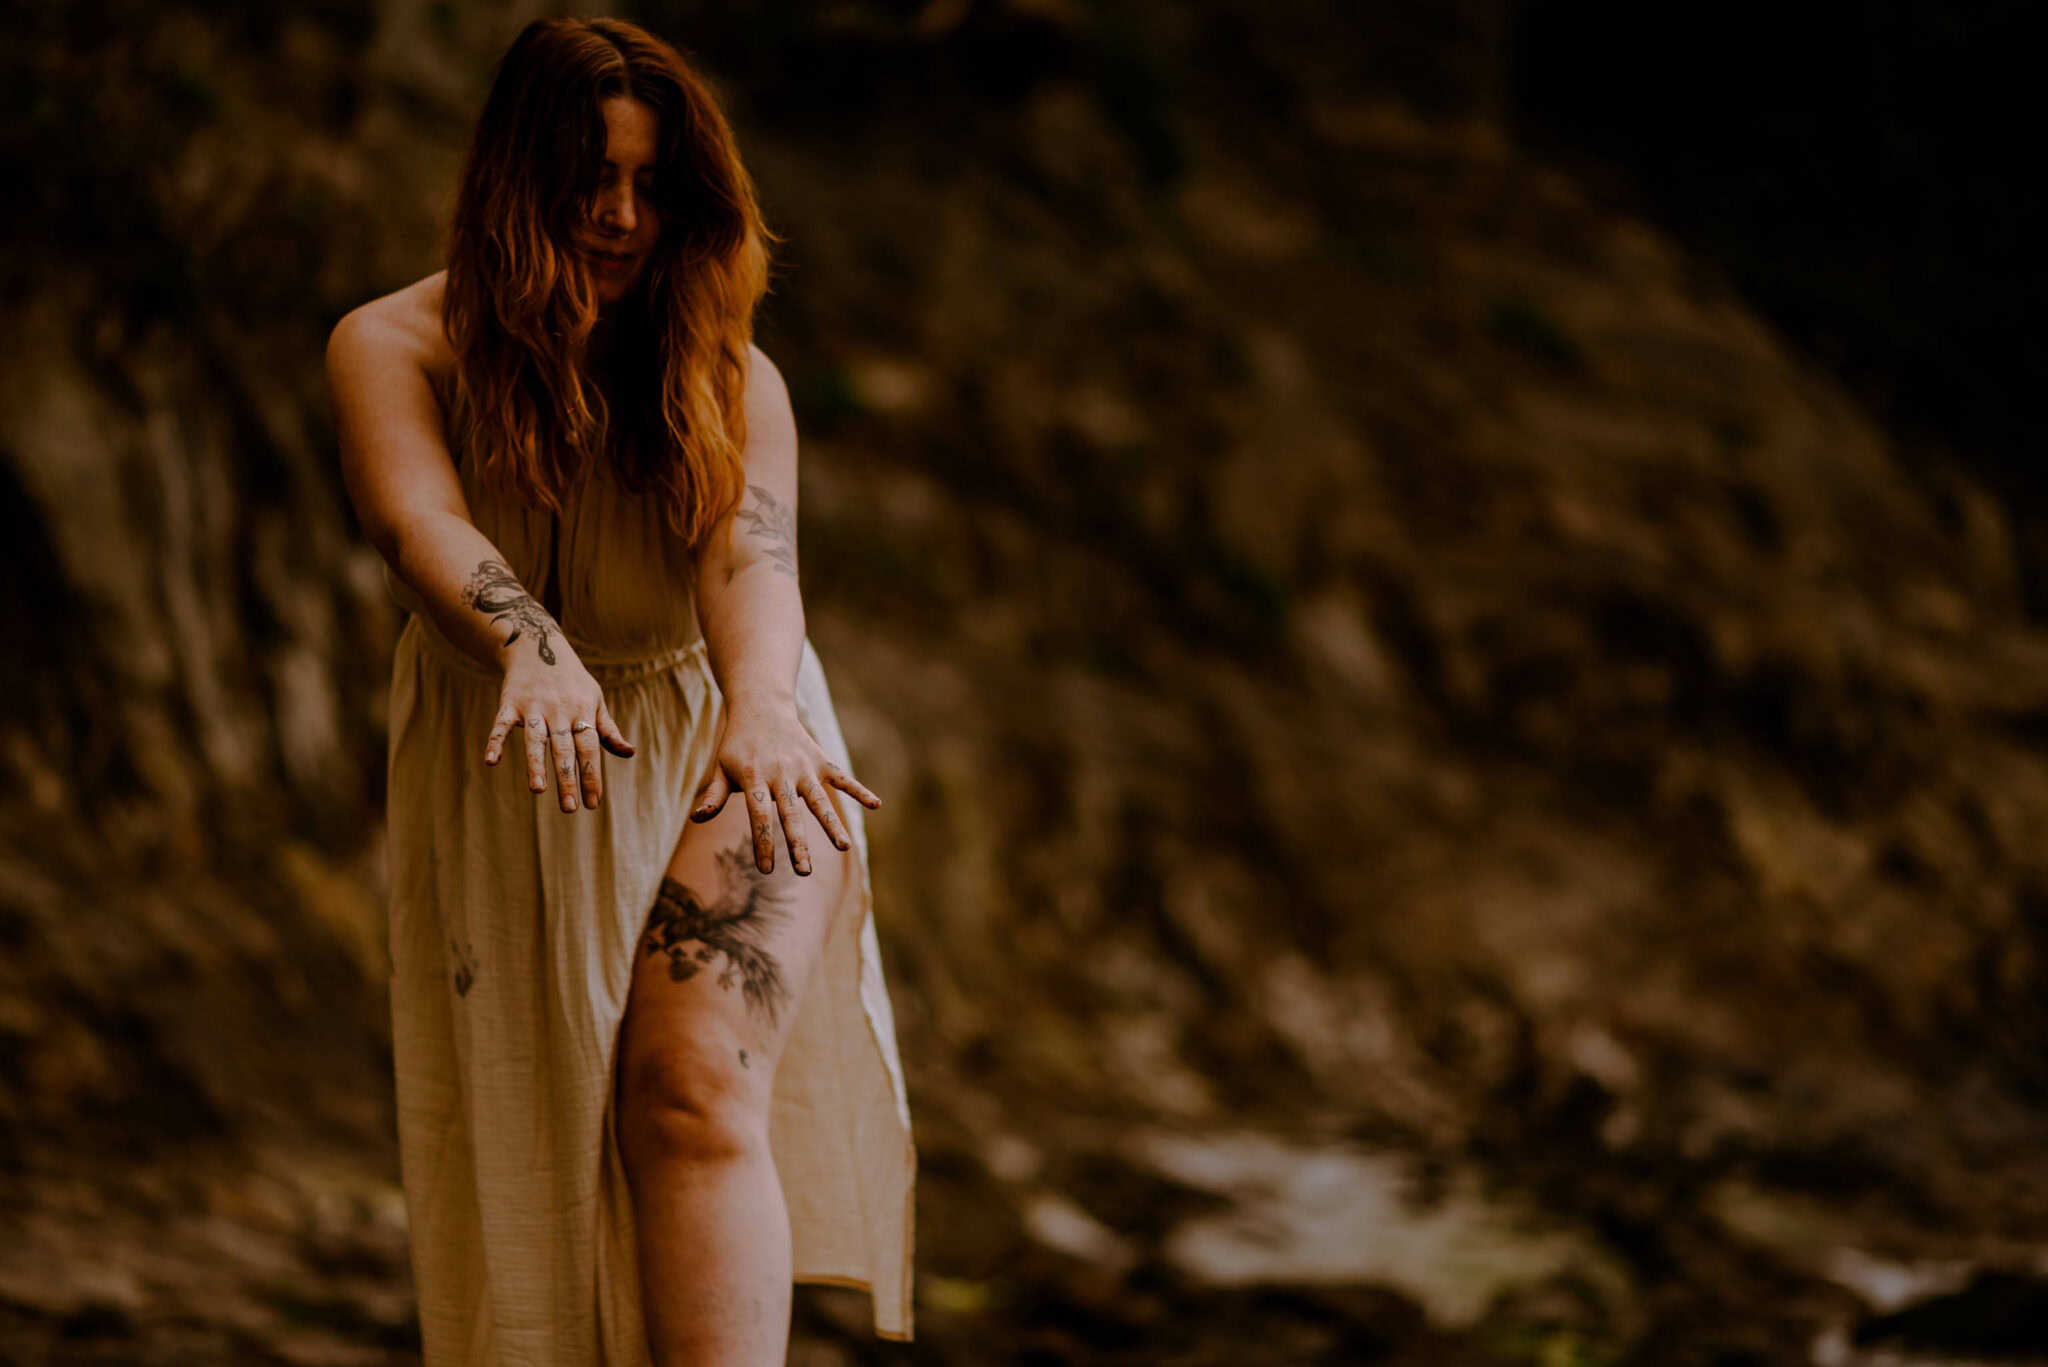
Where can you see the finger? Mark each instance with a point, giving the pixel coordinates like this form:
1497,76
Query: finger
588,765
760,809
792,813
537,754
820,802
563,744
712,799
494,744
609,735
846,782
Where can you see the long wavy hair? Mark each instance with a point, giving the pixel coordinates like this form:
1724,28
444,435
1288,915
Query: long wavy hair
521,303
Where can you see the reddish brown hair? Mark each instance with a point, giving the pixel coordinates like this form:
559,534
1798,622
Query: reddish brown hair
521,304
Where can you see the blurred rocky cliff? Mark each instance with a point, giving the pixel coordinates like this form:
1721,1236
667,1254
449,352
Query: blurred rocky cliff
1373,654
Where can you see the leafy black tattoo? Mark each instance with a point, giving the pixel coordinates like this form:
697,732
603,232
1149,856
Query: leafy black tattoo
492,588
736,924
465,966
774,523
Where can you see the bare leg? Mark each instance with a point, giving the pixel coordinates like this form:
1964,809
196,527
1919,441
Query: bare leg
723,962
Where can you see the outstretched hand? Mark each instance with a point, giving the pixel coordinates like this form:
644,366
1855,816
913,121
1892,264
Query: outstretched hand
770,757
562,713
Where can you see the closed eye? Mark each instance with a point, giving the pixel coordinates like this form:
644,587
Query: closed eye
645,179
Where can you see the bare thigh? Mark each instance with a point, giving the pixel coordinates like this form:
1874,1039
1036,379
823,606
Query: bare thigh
724,959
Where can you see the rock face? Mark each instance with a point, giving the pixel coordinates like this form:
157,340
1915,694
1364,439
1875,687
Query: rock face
1365,646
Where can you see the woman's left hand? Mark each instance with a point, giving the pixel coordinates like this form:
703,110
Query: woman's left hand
768,755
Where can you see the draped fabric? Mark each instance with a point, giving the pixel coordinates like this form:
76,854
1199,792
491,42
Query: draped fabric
513,933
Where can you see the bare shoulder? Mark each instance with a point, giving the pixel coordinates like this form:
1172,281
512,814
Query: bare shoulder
382,361
404,325
763,378
767,395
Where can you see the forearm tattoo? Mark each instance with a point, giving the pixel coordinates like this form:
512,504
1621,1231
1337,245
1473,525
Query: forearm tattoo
773,524
493,589
736,924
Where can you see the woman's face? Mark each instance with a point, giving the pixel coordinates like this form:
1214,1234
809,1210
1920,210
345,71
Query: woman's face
619,235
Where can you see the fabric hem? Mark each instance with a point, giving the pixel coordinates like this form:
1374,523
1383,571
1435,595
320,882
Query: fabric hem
906,1306
855,1284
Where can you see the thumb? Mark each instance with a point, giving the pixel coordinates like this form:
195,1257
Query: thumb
713,796
609,735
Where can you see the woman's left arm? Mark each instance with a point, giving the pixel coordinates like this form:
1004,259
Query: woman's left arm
752,617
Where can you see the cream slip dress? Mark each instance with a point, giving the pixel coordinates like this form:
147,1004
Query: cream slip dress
514,927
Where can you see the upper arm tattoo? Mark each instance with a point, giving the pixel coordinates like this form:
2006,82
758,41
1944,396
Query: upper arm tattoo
772,523
493,589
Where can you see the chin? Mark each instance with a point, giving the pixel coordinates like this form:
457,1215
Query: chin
613,292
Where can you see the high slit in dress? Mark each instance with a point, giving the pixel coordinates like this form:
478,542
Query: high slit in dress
514,927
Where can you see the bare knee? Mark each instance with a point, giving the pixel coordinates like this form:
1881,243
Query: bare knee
696,1101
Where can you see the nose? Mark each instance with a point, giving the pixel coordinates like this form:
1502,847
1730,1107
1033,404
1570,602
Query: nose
615,212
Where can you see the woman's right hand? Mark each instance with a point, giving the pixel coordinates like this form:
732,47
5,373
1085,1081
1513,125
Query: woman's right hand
562,710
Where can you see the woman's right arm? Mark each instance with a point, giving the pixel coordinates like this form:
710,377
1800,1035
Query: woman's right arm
409,500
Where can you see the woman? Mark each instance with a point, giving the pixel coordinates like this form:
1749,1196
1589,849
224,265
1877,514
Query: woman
646,1066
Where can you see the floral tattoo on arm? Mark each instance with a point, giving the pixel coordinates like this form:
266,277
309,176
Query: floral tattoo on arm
493,589
773,525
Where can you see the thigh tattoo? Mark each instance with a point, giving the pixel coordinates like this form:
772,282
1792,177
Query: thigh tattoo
735,924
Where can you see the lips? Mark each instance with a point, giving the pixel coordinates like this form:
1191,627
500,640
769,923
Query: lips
610,261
